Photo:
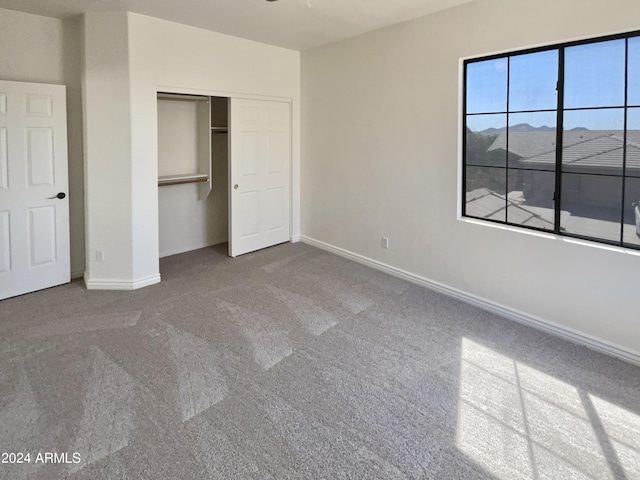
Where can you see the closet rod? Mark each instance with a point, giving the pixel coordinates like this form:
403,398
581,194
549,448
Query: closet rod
182,98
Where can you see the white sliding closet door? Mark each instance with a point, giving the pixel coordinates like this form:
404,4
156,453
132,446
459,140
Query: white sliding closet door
260,150
34,206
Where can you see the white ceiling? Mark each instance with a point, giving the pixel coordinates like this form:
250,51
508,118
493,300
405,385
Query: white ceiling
294,24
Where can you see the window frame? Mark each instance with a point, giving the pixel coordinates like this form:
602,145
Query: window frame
560,111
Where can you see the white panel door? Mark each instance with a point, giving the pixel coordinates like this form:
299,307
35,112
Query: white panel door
260,139
34,221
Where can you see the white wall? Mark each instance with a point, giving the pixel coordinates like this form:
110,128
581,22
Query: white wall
31,47
47,50
188,222
380,158
177,137
107,141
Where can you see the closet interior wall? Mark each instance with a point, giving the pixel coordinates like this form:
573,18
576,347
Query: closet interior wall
192,172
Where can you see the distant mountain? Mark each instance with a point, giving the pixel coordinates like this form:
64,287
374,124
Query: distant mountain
490,131
521,127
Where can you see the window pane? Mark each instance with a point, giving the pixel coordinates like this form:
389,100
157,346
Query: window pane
595,75
592,141
631,234
531,198
486,137
485,193
633,142
591,206
532,140
487,86
634,72
532,81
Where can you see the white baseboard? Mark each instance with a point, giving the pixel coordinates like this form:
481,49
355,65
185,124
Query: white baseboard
112,284
77,274
295,239
502,310
191,248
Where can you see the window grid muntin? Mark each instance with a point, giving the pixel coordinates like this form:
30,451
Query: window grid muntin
624,139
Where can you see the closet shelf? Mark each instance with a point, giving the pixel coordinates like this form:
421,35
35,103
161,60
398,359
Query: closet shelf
179,97
164,180
219,129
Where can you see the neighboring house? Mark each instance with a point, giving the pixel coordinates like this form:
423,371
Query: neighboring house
589,154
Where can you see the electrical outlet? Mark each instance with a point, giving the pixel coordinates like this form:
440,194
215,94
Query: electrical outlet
385,242
99,256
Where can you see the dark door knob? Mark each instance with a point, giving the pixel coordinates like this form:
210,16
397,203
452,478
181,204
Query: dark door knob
59,196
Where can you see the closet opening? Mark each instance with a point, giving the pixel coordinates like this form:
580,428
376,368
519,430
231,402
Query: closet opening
193,169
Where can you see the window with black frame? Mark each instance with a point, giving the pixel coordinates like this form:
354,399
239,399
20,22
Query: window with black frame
552,139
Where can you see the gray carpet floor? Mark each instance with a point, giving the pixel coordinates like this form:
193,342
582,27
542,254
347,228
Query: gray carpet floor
294,363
